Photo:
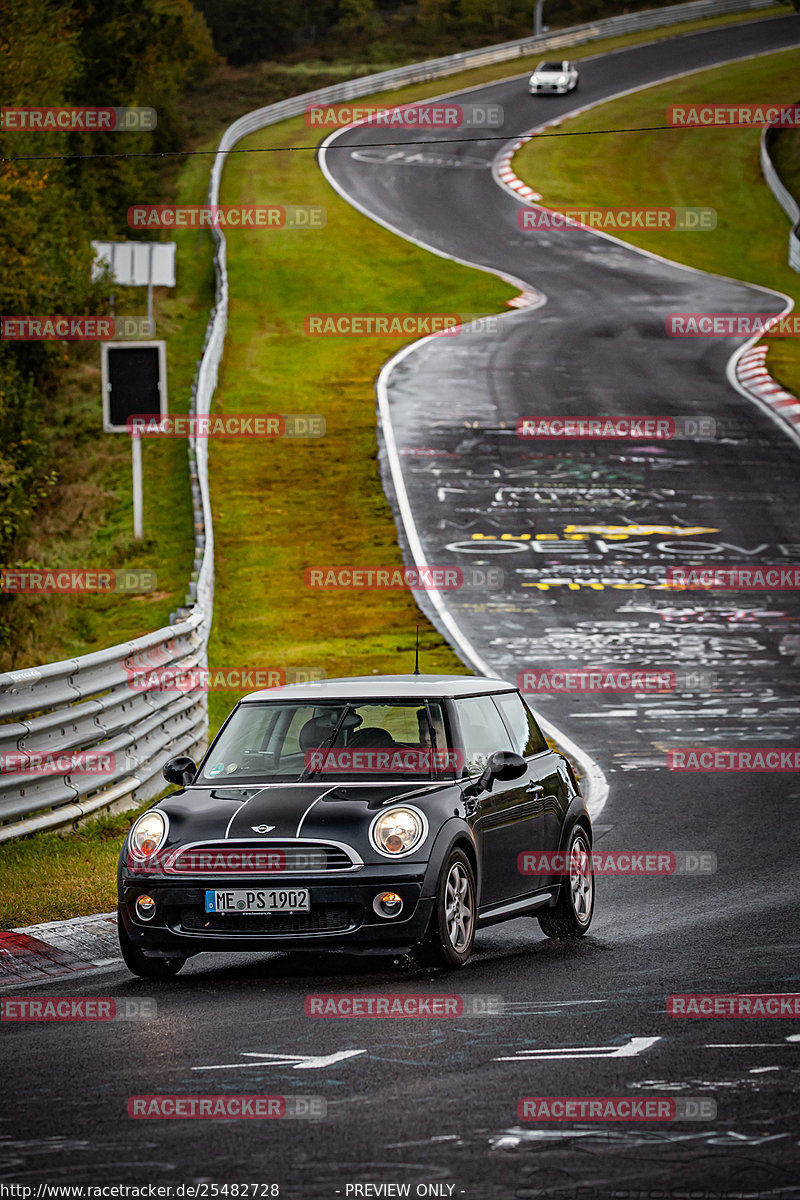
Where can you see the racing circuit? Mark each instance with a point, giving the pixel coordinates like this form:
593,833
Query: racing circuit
434,1103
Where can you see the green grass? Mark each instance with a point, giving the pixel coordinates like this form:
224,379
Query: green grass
717,168
53,876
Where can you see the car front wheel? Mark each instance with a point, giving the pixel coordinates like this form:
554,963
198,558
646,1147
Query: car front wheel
573,912
139,964
448,942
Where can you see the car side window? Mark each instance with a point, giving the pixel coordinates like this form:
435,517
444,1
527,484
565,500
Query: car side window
526,736
291,737
482,729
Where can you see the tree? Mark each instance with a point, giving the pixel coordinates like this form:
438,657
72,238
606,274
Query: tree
358,17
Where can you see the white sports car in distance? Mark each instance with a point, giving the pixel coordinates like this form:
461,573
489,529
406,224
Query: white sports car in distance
557,77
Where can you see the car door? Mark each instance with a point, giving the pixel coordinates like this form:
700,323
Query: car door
546,785
500,812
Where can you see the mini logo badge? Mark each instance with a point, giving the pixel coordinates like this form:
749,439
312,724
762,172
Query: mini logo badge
262,828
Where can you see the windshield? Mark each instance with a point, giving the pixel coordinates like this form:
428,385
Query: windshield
335,742
550,66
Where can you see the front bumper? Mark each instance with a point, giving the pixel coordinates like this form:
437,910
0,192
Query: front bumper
342,916
553,89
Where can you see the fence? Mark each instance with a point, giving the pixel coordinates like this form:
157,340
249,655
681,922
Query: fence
786,200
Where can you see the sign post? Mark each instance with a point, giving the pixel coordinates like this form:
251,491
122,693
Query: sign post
134,376
135,373
136,452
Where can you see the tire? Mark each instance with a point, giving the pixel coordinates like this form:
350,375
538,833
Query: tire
448,942
574,909
139,964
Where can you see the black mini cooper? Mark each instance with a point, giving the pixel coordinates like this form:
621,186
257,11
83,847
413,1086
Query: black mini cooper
365,815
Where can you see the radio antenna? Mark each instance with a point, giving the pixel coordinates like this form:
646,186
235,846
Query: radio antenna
416,655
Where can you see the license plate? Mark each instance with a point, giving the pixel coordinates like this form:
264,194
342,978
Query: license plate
259,900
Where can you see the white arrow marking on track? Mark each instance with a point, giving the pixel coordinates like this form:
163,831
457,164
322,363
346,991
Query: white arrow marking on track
300,1062
792,1037
635,1046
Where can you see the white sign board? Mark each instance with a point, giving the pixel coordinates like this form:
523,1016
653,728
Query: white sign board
137,264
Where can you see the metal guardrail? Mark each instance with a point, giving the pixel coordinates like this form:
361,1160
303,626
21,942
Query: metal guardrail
91,703
97,703
784,197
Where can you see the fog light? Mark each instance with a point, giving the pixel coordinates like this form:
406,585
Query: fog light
387,904
145,908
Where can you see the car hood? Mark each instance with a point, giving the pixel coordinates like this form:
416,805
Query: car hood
275,811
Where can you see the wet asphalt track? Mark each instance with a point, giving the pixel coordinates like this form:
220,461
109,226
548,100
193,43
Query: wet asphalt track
434,1102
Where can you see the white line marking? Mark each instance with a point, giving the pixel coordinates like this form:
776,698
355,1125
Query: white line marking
300,1062
241,809
630,1049
308,810
795,1037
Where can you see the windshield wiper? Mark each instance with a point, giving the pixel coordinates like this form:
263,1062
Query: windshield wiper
307,772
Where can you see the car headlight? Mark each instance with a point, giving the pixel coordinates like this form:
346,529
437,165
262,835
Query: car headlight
398,831
148,834
562,79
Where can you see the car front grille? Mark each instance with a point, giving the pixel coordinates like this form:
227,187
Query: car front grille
273,858
324,918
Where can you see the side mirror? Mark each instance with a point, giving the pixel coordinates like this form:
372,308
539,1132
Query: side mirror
503,765
180,770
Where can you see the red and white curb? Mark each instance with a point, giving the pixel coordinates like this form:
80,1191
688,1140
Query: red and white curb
505,175
527,298
509,178
753,376
37,953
